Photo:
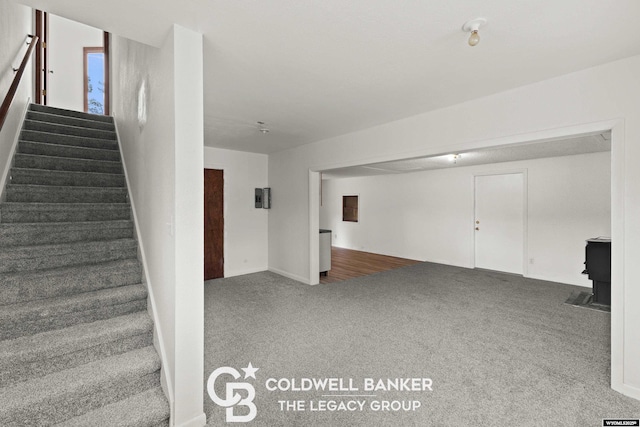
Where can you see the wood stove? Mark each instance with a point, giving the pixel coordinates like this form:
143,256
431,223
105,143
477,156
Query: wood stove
598,268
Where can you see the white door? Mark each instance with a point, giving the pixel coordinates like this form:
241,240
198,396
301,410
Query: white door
499,222
69,63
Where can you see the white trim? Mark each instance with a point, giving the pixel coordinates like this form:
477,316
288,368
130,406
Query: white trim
618,274
566,283
198,421
151,306
504,141
314,227
290,275
12,152
234,273
627,390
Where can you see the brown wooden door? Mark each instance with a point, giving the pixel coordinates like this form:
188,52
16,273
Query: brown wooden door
213,224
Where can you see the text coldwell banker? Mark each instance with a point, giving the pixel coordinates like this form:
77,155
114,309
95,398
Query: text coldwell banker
348,384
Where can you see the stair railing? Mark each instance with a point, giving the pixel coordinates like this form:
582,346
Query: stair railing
4,109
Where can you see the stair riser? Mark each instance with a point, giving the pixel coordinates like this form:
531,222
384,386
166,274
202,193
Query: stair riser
41,262
18,370
17,289
70,121
56,178
57,150
62,407
18,327
76,141
90,213
125,413
69,113
68,130
26,194
61,164
58,234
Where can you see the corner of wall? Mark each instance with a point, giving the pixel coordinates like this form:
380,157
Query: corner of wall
158,338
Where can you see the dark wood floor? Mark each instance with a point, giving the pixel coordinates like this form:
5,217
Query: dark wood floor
347,264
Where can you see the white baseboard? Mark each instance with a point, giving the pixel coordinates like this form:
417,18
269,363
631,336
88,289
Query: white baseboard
556,280
627,390
198,421
290,275
234,273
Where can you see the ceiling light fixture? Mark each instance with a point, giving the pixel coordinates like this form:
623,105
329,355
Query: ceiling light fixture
262,127
472,27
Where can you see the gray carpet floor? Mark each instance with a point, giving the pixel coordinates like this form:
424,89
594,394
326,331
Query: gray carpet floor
500,349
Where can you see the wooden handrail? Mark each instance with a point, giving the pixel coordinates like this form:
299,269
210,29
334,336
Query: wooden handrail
4,109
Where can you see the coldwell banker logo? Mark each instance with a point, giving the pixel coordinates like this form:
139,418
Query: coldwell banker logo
337,394
233,399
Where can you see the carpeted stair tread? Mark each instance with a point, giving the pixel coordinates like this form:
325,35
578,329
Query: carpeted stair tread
26,286
31,317
77,141
69,151
88,122
66,178
65,194
40,354
69,113
17,258
68,130
33,161
63,212
62,395
76,340
127,413
39,233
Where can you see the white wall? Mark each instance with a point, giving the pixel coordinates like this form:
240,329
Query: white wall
164,166
66,59
189,226
245,227
15,24
595,99
429,215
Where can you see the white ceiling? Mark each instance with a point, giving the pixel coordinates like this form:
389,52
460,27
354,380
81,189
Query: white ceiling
316,69
583,144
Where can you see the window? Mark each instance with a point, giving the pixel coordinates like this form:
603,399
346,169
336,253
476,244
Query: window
94,80
350,208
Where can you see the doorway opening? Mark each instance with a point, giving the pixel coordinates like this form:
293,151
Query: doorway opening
94,80
72,65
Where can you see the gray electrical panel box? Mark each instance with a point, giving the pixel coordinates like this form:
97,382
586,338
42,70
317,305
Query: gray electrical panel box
258,198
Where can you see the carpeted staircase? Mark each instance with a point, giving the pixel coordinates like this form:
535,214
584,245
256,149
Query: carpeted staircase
75,337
